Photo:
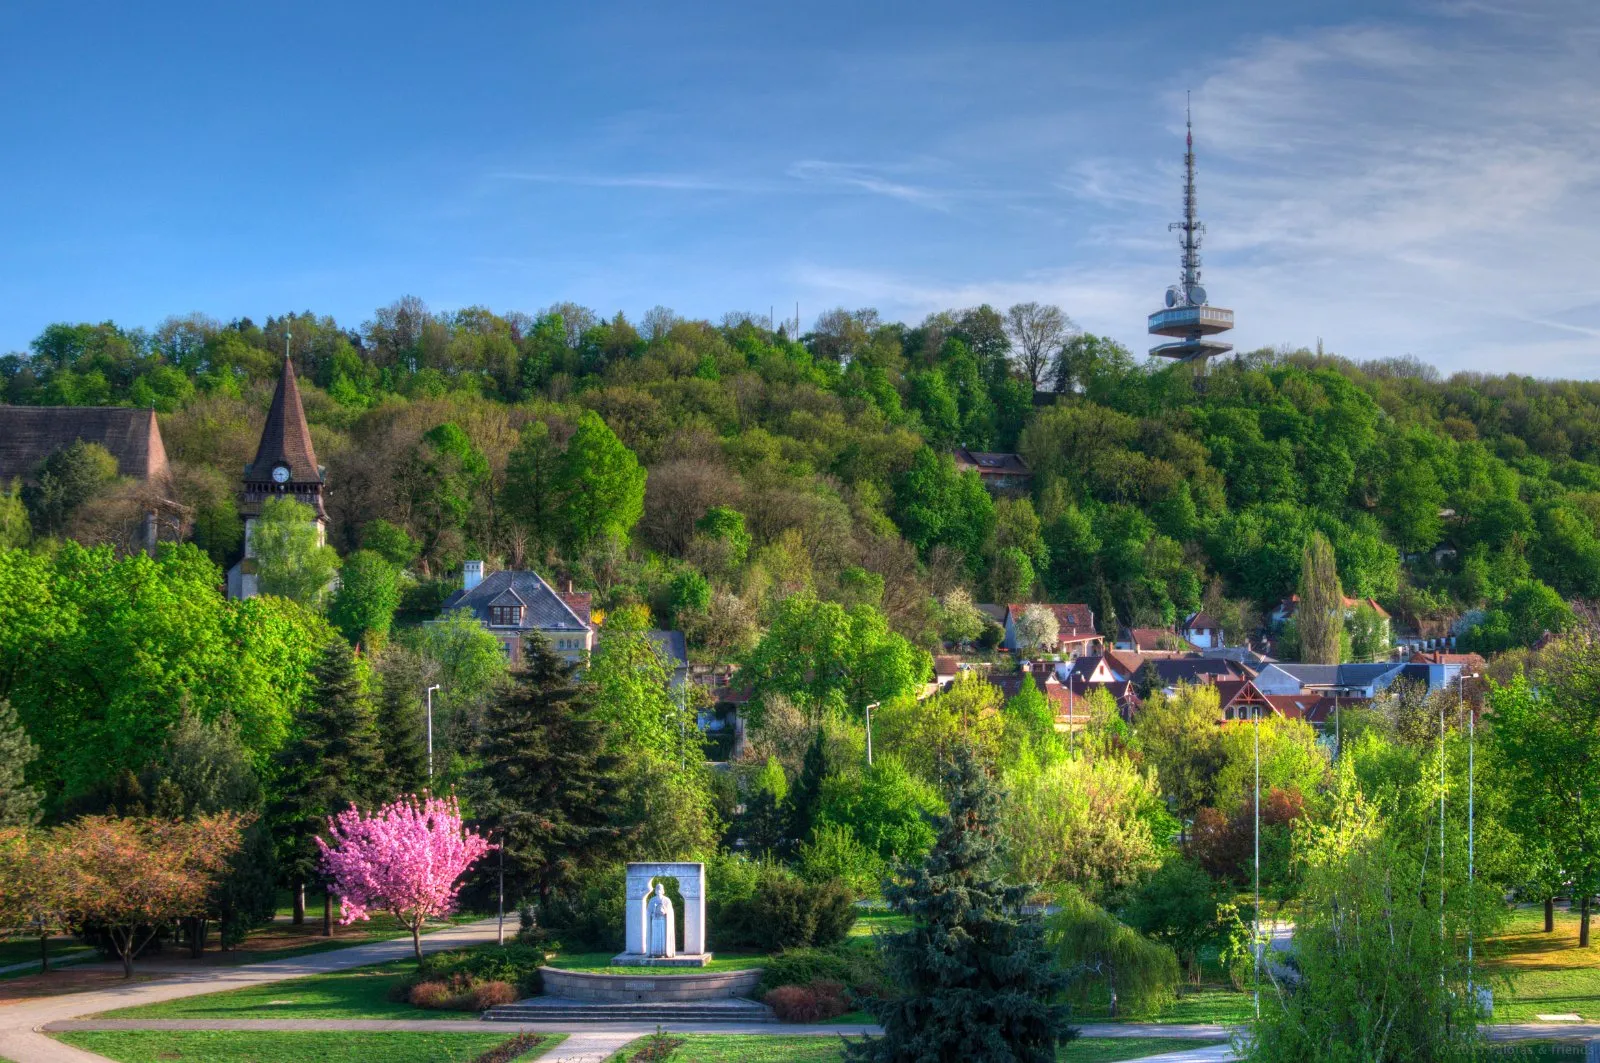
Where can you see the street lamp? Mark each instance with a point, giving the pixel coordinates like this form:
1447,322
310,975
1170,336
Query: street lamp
1257,943
430,734
870,707
1472,742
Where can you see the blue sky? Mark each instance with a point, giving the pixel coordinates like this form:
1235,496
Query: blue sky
1390,178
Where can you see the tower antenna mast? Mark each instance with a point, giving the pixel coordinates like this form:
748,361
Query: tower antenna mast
1189,318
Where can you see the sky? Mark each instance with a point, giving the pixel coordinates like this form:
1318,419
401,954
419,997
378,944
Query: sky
1390,179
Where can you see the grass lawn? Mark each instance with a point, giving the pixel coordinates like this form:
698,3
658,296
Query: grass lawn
358,993
21,950
240,1046
816,1048
600,963
1533,973
880,920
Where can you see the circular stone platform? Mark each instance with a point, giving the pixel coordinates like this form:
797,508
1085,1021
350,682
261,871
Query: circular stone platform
648,988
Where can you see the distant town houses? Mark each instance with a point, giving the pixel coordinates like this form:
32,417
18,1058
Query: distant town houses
1075,629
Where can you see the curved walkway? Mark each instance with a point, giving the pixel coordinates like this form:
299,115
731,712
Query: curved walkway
20,1023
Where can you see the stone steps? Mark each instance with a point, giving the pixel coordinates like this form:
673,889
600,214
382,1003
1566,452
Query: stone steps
555,1009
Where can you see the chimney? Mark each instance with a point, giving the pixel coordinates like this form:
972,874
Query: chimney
569,586
471,574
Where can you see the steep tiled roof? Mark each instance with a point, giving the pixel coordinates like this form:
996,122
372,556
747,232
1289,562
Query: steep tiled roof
1146,639
1075,620
286,437
672,646
1291,603
1192,670
29,434
544,610
1201,621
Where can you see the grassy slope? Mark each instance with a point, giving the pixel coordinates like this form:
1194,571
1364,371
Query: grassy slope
359,993
233,1046
758,1048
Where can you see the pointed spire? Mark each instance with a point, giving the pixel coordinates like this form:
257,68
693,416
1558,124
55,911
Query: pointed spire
286,438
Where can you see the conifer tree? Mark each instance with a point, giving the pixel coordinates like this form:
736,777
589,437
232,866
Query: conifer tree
548,787
19,802
334,760
973,976
401,722
807,792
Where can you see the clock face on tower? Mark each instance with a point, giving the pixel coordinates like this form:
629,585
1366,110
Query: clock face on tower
280,474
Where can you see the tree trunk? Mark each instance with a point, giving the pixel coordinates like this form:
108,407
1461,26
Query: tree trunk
1583,929
197,937
222,933
44,952
125,951
1549,915
327,913
416,939
299,904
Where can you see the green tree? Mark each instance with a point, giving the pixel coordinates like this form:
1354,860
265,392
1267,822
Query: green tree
601,487
334,761
19,802
1112,962
101,653
369,592
14,527
635,699
971,978
1181,740
1529,610
1545,731
64,481
1377,979
401,720
723,528
1369,640
547,788
1177,906
960,622
938,506
885,807
822,656
203,770
390,542
529,496
1319,619
291,560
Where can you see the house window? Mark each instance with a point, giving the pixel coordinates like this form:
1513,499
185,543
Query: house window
505,615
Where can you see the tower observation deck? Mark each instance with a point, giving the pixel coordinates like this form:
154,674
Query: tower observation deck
1188,318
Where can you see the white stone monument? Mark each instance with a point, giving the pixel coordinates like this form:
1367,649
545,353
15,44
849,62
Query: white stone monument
650,924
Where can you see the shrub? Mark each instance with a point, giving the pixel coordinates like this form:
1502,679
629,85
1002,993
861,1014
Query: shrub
783,912
487,995
438,996
857,965
813,1002
515,964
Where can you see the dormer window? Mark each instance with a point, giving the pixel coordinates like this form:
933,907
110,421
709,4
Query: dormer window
505,615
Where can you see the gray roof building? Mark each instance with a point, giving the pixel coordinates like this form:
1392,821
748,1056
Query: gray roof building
513,605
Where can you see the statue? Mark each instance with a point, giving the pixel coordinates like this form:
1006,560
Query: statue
663,934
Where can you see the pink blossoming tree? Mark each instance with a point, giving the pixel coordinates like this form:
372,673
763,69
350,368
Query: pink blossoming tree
405,859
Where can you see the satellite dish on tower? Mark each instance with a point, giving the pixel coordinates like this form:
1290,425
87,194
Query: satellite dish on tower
1197,296
1172,297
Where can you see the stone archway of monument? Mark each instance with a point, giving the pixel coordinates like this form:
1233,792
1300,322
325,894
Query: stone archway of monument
691,880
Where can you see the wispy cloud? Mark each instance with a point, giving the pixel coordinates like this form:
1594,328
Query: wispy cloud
868,179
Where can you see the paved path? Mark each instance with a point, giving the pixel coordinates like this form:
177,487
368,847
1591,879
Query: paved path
21,1041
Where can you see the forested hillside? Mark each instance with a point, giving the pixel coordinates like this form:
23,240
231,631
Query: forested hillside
778,465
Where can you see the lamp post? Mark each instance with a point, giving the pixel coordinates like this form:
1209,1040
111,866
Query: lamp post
500,932
1257,943
1472,741
1441,824
430,734
870,707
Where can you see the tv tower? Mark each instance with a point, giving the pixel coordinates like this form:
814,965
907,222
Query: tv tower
1187,317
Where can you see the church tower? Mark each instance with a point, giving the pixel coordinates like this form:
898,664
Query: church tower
285,467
